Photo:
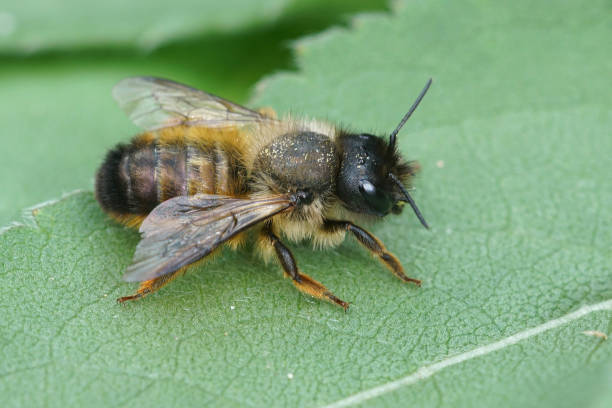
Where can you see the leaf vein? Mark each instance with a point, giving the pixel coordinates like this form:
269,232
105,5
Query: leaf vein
429,370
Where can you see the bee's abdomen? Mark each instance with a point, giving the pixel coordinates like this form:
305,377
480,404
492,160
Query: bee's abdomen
154,167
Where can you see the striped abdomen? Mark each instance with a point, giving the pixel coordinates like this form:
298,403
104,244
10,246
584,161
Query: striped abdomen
159,165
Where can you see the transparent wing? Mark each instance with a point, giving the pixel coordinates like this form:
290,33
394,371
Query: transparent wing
185,229
154,103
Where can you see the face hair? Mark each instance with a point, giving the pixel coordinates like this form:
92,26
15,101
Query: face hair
407,115
409,200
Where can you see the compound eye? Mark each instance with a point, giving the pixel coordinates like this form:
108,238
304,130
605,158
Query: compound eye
367,189
376,199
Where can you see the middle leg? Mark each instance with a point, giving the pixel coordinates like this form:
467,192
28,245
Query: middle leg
304,283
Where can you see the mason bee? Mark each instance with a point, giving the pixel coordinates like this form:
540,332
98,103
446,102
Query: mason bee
206,171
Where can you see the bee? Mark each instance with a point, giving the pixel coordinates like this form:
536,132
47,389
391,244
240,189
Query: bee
206,172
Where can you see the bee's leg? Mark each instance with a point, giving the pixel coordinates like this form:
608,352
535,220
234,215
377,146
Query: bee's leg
373,244
303,282
153,285
150,286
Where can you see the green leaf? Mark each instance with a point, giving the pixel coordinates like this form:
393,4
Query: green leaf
514,144
31,25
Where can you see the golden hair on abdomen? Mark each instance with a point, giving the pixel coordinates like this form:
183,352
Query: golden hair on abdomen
156,166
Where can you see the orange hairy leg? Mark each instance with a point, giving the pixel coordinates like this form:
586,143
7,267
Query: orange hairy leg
373,244
150,286
147,287
302,282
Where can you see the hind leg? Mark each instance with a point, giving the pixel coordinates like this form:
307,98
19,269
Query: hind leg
150,286
153,285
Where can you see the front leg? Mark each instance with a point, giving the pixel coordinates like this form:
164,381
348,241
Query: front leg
268,240
373,244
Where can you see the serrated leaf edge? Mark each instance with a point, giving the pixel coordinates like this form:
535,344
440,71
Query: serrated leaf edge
28,214
300,46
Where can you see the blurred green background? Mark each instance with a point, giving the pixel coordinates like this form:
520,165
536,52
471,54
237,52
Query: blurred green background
60,59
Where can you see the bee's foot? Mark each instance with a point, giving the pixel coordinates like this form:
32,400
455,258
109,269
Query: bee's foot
307,285
407,279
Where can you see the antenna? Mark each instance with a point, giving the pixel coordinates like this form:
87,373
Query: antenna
393,135
409,199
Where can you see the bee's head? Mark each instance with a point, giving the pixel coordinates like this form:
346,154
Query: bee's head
373,176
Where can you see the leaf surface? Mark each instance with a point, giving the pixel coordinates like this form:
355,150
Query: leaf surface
31,25
514,145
